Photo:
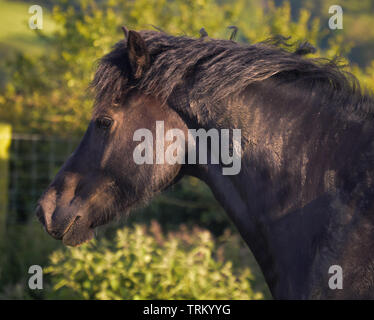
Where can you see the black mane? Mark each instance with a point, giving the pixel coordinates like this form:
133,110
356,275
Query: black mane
214,69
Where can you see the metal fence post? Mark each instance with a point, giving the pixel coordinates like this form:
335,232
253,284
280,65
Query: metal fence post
5,140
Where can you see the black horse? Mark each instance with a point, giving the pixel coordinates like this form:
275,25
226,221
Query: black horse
304,197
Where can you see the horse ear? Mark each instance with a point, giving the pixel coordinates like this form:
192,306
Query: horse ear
138,54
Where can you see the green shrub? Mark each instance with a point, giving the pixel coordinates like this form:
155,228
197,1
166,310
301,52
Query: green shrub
143,264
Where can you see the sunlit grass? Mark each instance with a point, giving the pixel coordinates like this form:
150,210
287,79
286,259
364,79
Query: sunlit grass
15,32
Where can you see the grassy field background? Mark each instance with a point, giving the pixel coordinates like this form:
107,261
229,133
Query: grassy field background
15,33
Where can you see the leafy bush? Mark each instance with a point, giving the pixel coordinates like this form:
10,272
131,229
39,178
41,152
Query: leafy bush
143,264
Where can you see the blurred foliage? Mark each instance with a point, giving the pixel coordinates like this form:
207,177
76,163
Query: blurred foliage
366,76
358,22
142,263
15,33
21,247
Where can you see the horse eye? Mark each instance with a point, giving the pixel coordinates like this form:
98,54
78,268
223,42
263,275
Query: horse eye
116,102
103,123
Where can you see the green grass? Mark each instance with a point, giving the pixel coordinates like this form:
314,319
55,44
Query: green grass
15,33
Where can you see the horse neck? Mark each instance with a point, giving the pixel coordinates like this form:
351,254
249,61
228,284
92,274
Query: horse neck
281,200
279,247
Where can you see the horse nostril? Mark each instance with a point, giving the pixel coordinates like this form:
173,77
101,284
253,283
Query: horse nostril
56,234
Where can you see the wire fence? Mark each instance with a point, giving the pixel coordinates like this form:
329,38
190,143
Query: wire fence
33,162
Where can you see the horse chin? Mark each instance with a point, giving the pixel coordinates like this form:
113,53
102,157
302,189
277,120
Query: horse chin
77,234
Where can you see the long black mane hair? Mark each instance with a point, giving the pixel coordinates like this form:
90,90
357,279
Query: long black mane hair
211,70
